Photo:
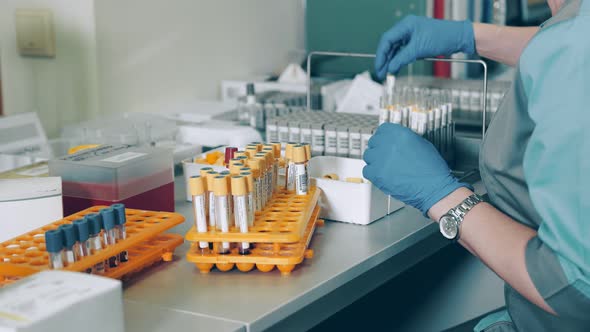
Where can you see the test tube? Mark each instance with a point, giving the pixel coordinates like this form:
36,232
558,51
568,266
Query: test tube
318,139
70,239
240,194
254,165
211,198
109,234
300,170
83,247
120,229
263,179
366,133
294,131
222,207
289,179
95,221
235,169
54,246
197,188
354,142
272,132
236,161
283,129
240,153
250,187
342,141
229,154
272,170
251,151
331,148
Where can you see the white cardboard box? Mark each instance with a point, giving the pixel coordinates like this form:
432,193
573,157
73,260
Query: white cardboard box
357,203
27,204
59,301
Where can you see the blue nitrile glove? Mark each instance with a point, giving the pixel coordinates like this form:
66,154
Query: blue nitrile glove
417,37
408,167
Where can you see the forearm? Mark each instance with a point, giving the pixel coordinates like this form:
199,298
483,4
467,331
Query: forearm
502,43
497,240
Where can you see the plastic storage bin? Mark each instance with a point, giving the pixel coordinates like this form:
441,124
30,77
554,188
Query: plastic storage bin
357,203
139,177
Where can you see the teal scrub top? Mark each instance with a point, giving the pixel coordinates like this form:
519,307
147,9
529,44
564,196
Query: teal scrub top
535,163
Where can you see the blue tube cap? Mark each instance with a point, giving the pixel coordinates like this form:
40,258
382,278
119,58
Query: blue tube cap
108,218
94,223
121,218
54,240
69,235
82,228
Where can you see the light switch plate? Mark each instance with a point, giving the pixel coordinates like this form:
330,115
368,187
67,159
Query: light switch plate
35,35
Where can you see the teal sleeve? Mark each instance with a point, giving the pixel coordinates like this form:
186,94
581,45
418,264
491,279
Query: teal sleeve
555,69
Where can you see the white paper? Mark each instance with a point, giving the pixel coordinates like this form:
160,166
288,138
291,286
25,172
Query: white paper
362,96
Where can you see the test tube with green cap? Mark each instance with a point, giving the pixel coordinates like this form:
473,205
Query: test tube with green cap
95,223
120,229
70,239
110,235
54,246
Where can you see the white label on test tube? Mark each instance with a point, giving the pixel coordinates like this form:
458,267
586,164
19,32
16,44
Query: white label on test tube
251,209
291,176
331,142
241,216
222,213
430,119
212,217
365,137
383,115
317,141
474,101
355,144
306,135
465,101
342,149
294,134
396,116
272,134
301,179
406,116
283,133
200,218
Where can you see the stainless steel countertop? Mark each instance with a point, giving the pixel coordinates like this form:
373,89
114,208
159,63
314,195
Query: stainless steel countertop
344,253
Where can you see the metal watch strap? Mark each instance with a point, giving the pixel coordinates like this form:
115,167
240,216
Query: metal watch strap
459,211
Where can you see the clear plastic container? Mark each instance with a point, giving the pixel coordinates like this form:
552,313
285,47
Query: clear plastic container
139,177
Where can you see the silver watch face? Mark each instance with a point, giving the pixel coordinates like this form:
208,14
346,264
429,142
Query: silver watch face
448,227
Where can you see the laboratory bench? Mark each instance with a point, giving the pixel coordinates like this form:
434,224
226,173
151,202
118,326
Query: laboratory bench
349,262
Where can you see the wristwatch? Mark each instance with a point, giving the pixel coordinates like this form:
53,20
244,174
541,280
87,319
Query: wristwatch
450,222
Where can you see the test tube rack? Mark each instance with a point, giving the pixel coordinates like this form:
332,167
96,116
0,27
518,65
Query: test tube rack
280,237
145,244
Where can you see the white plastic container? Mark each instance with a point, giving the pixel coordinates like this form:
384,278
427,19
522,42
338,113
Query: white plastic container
356,203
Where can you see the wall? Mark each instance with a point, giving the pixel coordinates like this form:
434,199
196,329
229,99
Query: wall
153,53
62,90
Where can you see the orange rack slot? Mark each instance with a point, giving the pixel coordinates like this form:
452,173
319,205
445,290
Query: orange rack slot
265,256
283,220
26,254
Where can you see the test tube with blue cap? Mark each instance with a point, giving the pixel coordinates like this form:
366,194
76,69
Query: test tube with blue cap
54,246
120,230
110,237
82,248
70,239
95,226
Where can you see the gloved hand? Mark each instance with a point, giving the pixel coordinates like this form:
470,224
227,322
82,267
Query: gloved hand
417,37
408,167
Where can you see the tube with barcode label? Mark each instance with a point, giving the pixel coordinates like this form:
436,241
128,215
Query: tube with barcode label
240,194
198,193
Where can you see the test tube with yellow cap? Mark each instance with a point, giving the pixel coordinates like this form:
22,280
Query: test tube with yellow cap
247,174
240,153
251,151
197,187
222,209
300,173
255,164
211,198
239,192
227,175
235,169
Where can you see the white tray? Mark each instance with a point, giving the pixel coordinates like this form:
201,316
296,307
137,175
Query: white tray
356,203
